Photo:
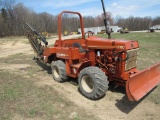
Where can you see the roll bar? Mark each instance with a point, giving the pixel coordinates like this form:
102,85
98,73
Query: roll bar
60,23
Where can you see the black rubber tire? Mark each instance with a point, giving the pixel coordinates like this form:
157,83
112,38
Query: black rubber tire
97,86
59,71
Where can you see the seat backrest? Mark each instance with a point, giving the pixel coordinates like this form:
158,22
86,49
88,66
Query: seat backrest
78,45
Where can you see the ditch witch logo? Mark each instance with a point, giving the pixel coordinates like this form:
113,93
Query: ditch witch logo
62,55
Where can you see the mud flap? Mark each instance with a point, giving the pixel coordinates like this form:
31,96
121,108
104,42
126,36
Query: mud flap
143,82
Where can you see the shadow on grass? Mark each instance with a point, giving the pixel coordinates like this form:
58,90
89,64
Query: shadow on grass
44,66
123,104
127,106
73,81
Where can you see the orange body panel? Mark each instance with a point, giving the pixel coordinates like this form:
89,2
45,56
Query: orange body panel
67,53
48,52
102,43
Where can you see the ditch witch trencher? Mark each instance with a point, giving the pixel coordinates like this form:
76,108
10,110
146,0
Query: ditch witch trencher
96,62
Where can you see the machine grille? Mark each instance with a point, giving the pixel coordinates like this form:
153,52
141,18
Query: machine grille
132,59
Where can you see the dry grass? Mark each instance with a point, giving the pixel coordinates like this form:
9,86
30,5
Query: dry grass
21,98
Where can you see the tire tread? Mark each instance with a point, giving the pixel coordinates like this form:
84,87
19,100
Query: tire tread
100,79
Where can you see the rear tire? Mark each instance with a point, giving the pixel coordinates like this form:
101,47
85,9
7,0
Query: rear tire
59,71
93,83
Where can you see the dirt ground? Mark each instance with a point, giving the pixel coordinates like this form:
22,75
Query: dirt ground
114,106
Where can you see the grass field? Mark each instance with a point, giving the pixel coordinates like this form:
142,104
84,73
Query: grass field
23,94
21,98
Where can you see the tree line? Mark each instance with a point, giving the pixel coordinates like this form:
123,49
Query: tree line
13,18
138,23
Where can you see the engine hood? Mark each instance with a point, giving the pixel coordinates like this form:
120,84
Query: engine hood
102,43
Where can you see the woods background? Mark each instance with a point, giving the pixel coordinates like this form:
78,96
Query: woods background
14,16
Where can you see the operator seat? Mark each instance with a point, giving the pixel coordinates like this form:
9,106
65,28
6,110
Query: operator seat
78,45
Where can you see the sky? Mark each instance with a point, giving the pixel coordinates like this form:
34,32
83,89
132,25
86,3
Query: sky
124,8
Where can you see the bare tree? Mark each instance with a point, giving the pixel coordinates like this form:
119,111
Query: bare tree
8,5
134,23
156,21
14,16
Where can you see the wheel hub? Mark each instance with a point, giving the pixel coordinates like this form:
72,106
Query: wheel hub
56,72
87,83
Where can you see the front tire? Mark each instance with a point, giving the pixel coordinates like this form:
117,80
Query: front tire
59,71
93,83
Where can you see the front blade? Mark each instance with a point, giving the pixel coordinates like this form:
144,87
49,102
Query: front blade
141,83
